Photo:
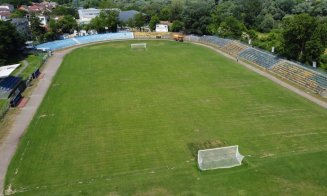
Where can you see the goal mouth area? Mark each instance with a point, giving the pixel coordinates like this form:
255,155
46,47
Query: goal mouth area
219,158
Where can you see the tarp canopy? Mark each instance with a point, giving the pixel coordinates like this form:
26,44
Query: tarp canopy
5,71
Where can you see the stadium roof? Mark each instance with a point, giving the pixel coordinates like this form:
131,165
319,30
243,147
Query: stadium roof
5,71
126,15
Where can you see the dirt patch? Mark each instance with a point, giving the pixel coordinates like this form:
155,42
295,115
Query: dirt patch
196,146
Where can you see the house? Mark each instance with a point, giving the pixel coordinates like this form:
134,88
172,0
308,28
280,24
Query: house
23,8
161,28
43,19
4,16
6,7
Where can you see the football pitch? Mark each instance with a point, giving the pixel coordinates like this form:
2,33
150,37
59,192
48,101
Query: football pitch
118,121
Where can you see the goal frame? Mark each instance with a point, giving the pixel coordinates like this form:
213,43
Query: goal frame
238,156
139,46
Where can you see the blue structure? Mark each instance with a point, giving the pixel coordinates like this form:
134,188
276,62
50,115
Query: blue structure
221,42
11,88
258,57
61,44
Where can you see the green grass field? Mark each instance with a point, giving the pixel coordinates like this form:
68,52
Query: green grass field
122,122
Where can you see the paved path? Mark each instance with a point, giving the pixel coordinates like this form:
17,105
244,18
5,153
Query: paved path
9,146
22,120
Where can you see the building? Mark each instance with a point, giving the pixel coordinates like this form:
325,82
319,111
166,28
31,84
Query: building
39,8
43,19
6,7
161,28
86,15
4,16
124,16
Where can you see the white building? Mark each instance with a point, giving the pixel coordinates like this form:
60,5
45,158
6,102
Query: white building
7,7
86,15
43,20
161,28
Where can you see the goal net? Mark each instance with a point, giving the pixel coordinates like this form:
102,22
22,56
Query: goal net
138,46
215,158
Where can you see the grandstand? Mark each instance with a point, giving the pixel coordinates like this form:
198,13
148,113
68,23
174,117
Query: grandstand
11,88
216,41
261,58
234,48
56,45
61,44
302,76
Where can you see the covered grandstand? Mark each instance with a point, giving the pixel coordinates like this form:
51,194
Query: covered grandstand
11,88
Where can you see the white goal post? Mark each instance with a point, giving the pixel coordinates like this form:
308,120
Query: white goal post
138,46
215,158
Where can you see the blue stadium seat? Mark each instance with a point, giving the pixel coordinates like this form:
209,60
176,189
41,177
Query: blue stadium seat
258,57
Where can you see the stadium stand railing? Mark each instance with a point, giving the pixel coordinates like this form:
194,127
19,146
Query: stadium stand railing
261,58
61,44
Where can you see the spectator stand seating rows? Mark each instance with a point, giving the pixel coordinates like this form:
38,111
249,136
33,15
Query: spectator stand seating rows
215,41
261,58
234,48
302,76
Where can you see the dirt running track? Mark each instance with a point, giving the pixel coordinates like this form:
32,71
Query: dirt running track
10,143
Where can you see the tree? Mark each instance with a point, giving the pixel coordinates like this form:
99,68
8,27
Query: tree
18,14
98,23
303,38
106,21
231,27
196,18
177,26
320,9
267,24
176,10
131,23
139,20
63,10
112,21
251,9
36,29
304,7
10,42
165,13
67,24
152,24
